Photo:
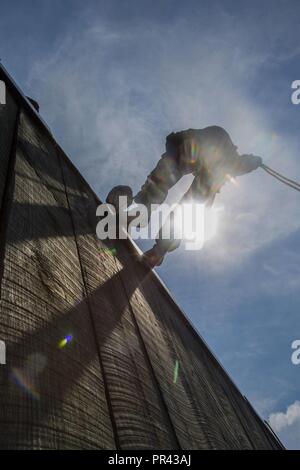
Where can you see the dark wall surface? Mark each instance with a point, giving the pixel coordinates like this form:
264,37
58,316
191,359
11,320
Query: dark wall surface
112,386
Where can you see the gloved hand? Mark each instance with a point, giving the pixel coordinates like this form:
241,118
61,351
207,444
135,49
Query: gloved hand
244,164
254,159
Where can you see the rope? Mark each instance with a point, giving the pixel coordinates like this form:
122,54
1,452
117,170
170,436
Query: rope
281,176
292,184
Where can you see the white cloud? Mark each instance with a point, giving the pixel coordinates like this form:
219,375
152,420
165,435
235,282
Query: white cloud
280,420
287,425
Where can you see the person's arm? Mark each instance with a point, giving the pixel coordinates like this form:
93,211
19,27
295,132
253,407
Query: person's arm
246,163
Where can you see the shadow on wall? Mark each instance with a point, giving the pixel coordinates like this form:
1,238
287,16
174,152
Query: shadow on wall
49,361
45,364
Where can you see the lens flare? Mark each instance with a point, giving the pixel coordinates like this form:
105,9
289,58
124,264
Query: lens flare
111,251
64,341
232,180
23,380
176,371
27,376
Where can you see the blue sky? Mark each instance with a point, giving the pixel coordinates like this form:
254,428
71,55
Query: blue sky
114,78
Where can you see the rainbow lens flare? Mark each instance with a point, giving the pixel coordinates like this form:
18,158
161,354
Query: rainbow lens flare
64,341
27,376
23,380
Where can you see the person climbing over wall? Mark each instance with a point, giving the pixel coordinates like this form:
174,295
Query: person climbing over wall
209,154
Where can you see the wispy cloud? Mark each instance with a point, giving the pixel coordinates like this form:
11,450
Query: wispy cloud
116,92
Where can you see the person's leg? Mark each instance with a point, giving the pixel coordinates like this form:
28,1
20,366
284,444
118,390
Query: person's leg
197,193
170,168
161,179
171,243
162,246
166,240
154,191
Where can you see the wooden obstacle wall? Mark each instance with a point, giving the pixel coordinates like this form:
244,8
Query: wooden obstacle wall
112,386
